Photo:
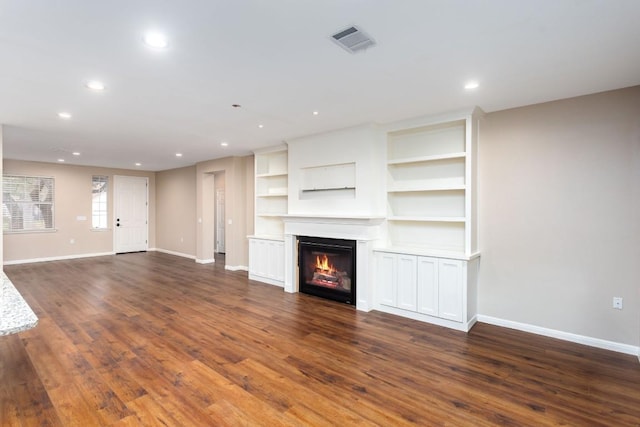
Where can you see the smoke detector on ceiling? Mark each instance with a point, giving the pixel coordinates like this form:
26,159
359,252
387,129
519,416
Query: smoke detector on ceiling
353,39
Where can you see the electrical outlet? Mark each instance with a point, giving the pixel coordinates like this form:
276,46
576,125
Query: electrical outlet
617,303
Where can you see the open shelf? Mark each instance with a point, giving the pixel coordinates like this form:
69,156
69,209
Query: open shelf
442,204
269,175
433,235
427,218
445,173
429,184
271,189
271,163
424,159
443,139
427,189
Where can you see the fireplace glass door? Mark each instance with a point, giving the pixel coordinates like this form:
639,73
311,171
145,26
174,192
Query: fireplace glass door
327,268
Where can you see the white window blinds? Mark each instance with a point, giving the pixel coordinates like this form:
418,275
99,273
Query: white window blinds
27,203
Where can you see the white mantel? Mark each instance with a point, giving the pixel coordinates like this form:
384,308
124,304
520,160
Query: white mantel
365,230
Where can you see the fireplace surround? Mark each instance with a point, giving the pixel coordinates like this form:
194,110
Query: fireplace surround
363,230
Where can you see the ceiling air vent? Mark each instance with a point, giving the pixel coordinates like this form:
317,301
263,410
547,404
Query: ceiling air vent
353,39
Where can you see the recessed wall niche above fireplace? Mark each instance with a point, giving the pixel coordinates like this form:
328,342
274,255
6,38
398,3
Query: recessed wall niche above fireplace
327,268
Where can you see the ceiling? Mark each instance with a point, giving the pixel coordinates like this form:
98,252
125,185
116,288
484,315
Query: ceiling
276,59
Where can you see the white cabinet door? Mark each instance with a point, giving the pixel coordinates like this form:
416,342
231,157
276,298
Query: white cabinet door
262,262
450,289
428,286
407,295
266,260
274,254
253,256
386,278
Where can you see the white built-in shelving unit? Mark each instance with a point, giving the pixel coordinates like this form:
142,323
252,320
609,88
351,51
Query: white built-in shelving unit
271,184
428,267
266,247
429,186
425,248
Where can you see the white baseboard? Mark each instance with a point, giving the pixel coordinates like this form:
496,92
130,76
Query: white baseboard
236,267
451,324
56,258
205,261
566,336
180,254
266,280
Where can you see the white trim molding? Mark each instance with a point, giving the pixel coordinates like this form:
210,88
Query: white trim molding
205,261
236,267
57,258
566,336
180,254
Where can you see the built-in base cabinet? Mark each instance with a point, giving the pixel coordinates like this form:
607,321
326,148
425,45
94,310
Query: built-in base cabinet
431,289
266,261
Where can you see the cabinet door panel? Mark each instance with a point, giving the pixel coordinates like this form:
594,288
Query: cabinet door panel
428,286
262,263
278,266
407,290
386,278
253,256
450,289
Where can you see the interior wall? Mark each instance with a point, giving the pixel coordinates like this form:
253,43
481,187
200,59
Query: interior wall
176,211
1,171
237,256
242,208
219,184
250,200
72,199
559,202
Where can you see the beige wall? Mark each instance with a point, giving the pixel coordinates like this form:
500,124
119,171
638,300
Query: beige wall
560,215
219,184
1,171
237,248
249,172
176,211
72,199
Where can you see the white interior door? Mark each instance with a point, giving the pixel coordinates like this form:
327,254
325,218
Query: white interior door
220,221
130,209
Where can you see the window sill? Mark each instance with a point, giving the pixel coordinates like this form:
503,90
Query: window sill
52,230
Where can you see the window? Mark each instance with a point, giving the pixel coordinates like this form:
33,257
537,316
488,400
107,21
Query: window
99,202
27,203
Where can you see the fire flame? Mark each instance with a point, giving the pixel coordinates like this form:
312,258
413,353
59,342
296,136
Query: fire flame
323,264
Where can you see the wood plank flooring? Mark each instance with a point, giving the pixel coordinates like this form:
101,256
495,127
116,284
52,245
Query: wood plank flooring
150,339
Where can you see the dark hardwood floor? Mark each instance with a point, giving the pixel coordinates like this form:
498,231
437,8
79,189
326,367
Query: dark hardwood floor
153,339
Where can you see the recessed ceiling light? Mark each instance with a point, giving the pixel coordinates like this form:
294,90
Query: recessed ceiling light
178,154
471,85
138,164
315,113
75,153
61,160
156,40
64,115
224,144
260,126
95,85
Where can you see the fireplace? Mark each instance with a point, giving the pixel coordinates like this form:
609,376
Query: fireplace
327,268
